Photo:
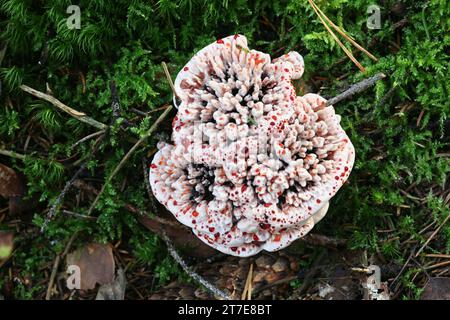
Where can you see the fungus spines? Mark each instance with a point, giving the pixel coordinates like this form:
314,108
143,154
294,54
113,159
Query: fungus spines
252,166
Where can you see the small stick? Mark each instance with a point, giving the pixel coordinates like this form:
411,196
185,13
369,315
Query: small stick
275,283
158,109
325,241
137,144
128,155
56,265
146,177
247,284
401,270
250,283
356,88
436,255
216,291
440,264
433,235
58,104
12,154
68,185
92,135
78,215
52,211
169,79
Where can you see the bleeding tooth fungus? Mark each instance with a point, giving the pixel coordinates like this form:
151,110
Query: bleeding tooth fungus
252,165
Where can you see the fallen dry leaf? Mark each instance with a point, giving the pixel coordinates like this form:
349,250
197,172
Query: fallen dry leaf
96,263
13,187
437,288
11,184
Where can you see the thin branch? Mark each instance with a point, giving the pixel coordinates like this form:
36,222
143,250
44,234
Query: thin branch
12,154
52,212
216,291
146,177
92,135
59,200
137,144
127,156
58,258
356,88
169,79
58,104
433,235
247,293
324,241
438,255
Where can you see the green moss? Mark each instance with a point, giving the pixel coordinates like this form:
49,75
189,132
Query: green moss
127,42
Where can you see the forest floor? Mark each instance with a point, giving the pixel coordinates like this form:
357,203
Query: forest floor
67,196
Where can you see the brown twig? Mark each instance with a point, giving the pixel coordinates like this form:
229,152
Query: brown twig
438,255
56,266
58,104
127,156
68,185
137,144
92,135
169,79
52,212
440,264
12,154
247,292
433,235
321,240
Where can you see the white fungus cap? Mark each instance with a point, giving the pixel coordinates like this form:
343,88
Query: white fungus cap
252,166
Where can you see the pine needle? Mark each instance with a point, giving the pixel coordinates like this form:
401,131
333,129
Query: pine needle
346,36
322,16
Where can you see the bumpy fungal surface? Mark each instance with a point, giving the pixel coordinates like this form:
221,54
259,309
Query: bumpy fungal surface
252,165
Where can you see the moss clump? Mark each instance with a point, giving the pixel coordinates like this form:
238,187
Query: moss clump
399,128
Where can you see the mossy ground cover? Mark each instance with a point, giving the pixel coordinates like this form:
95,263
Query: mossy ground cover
397,195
